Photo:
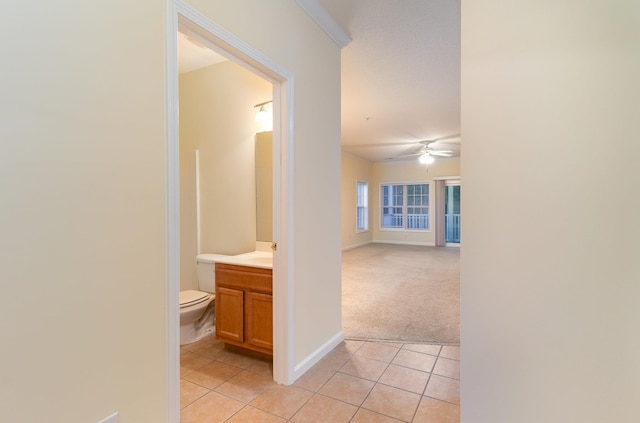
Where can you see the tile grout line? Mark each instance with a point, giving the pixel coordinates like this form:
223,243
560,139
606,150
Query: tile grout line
376,382
317,392
431,372
426,384
447,377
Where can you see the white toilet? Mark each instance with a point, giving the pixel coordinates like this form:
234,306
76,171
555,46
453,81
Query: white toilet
197,307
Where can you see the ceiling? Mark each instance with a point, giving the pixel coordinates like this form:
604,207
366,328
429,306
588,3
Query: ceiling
400,75
192,55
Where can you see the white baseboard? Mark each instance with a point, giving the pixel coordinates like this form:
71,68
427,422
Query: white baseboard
317,355
424,244
361,244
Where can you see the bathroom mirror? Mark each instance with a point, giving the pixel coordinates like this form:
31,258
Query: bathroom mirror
264,186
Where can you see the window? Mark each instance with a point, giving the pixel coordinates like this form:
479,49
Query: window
362,206
405,206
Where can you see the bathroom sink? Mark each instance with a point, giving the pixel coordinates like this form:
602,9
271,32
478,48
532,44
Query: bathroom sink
254,258
265,261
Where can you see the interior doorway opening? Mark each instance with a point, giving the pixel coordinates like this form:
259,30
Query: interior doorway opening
452,213
182,17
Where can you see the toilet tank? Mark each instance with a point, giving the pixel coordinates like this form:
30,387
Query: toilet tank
205,263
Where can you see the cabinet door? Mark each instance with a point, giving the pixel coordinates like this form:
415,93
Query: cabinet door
259,309
229,314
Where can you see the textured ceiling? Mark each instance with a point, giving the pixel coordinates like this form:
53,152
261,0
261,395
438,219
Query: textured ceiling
400,75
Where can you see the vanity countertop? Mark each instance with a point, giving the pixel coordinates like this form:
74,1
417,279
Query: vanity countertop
261,259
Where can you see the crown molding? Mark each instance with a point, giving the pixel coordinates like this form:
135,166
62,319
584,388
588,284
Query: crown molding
320,15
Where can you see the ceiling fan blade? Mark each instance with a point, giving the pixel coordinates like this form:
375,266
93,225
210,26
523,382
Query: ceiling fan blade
442,153
405,155
385,144
451,139
448,141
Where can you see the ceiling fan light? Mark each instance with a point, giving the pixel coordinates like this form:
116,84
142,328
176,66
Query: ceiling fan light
426,158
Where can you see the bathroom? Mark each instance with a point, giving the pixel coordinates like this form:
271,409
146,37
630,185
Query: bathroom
225,196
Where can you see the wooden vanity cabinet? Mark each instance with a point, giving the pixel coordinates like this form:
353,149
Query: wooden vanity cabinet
244,310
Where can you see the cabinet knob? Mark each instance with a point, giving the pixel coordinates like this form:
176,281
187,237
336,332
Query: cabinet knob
274,246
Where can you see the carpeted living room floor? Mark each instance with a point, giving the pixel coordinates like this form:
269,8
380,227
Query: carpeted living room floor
402,293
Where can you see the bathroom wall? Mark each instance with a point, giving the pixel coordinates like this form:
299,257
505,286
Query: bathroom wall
408,171
217,118
188,221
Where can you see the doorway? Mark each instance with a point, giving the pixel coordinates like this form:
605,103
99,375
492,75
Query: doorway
447,211
452,213
183,17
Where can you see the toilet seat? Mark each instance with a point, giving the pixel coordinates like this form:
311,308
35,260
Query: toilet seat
190,297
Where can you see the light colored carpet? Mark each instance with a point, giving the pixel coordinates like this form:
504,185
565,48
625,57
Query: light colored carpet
401,293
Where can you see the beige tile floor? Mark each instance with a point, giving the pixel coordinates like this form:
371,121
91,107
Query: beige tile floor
359,381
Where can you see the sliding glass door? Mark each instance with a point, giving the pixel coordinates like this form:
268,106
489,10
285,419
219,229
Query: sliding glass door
452,212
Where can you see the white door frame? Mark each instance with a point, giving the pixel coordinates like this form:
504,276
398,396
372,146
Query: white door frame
180,15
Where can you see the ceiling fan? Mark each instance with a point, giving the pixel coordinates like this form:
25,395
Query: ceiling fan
426,150
430,149
427,153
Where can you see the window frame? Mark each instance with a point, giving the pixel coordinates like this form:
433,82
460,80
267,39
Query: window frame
365,207
404,206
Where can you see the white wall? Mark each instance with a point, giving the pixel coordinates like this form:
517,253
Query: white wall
83,187
549,274
82,182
